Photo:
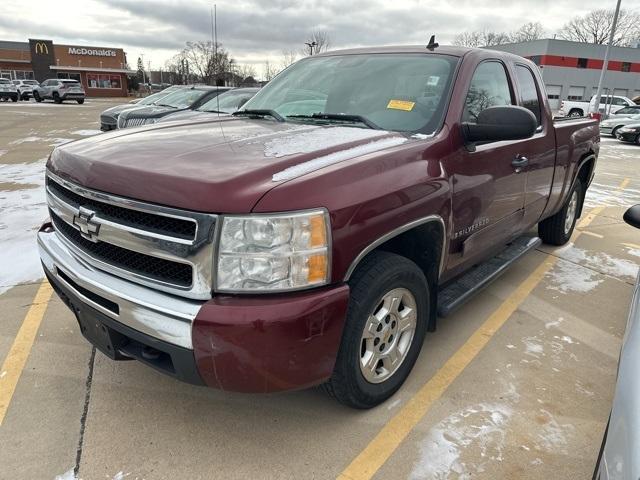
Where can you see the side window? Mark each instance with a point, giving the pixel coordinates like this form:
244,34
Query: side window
619,101
528,92
489,88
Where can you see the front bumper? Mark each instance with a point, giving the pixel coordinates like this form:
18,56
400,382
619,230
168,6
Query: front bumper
9,94
259,343
605,130
627,136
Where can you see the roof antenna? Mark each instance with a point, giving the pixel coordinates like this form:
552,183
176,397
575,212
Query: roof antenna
432,43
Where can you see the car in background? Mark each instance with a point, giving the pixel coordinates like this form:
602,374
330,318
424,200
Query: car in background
226,103
188,98
109,118
25,88
8,90
626,112
629,133
612,125
570,108
59,90
619,457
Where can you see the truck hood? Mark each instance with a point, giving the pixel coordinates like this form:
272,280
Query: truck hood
221,166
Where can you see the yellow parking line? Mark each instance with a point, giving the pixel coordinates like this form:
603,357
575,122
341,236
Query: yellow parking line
632,245
378,451
624,184
17,357
592,234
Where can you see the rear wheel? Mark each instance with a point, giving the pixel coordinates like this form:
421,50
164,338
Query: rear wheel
557,230
56,97
383,334
576,112
14,99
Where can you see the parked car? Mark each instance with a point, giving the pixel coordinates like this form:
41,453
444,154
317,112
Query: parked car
314,236
618,459
629,133
25,88
580,109
8,91
226,103
109,118
188,98
59,90
612,125
626,112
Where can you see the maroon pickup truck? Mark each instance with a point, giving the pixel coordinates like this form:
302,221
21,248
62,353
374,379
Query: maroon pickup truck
316,235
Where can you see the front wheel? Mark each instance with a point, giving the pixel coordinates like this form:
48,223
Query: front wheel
14,99
557,230
576,112
384,330
80,101
56,97
37,97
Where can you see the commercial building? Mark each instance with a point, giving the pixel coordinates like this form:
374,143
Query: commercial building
102,71
571,70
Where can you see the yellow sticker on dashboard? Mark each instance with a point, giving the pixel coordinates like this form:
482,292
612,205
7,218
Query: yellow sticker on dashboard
401,105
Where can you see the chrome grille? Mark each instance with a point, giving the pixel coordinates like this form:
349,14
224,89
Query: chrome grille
135,122
161,247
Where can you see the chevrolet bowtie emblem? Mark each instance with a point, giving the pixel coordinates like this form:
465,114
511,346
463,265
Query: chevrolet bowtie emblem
84,221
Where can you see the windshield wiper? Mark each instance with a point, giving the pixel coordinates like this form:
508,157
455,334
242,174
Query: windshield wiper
165,105
343,117
259,113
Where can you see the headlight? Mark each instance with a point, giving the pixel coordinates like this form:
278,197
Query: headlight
258,253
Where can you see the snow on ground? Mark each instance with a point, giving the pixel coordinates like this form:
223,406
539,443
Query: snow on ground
86,133
69,475
604,195
22,210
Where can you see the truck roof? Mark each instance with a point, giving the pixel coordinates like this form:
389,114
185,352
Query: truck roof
443,50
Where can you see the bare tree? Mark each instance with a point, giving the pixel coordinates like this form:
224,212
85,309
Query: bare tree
270,70
595,27
528,32
288,57
245,71
201,62
481,38
320,40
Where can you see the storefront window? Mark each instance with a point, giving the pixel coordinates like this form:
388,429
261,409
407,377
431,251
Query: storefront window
69,76
103,81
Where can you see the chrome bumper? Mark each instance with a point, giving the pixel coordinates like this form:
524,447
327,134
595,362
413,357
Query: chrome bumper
165,317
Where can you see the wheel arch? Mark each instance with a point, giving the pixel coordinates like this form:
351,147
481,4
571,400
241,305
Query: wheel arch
424,242
585,170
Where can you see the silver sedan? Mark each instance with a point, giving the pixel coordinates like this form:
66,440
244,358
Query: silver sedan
609,126
619,458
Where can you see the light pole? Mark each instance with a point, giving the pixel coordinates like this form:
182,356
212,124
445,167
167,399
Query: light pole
605,63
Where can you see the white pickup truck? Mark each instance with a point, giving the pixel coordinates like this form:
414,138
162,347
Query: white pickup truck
570,108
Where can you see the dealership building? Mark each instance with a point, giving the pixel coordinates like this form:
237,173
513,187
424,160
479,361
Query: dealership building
102,71
571,70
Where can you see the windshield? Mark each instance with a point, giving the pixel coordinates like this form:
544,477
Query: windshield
181,98
4,80
400,92
227,102
30,82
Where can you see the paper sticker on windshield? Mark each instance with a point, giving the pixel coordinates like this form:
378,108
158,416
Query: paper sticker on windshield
433,81
401,105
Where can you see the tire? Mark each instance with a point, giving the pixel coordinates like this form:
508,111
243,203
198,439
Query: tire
56,97
576,112
80,101
381,278
14,99
37,97
638,140
613,132
557,230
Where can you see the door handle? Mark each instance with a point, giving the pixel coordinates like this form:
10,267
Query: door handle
519,163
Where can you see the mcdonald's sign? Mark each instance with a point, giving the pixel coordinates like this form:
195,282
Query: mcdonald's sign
41,48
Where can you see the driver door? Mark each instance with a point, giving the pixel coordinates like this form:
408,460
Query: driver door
488,190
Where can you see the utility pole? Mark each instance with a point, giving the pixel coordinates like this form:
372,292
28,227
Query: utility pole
605,63
143,78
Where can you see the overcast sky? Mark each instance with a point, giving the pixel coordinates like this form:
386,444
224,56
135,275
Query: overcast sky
253,30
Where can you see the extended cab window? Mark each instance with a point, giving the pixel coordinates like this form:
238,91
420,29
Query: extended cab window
489,88
399,92
528,92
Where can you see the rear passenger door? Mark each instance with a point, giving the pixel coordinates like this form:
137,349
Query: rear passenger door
488,191
539,150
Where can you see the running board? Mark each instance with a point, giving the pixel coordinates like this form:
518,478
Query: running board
455,294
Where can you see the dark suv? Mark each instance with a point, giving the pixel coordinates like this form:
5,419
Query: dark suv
59,90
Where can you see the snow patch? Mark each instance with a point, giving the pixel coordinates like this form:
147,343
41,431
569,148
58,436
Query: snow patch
606,195
68,475
326,160
21,212
480,427
86,133
29,139
630,250
2,152
533,347
553,437
394,404
600,261
318,139
568,277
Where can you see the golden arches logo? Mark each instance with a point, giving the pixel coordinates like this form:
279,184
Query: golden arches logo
42,48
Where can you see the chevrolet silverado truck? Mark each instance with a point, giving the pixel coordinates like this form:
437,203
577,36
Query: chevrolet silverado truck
314,236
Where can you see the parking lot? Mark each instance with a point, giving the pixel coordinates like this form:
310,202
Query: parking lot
516,384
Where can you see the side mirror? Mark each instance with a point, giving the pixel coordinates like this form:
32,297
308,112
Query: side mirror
632,216
501,123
